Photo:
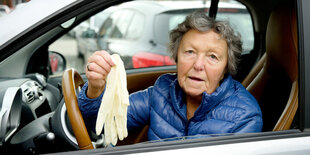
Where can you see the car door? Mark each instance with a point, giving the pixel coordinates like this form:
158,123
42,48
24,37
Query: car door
295,140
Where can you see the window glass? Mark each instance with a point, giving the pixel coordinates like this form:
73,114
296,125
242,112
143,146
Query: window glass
175,20
108,24
167,21
118,29
122,23
100,18
240,20
136,27
67,46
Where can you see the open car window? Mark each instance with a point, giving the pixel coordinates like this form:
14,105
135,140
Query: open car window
141,37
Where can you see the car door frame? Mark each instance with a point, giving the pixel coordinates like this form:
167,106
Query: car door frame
290,141
201,144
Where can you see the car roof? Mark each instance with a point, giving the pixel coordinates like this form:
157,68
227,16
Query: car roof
32,13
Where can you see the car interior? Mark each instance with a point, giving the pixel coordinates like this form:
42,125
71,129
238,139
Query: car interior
269,72
273,81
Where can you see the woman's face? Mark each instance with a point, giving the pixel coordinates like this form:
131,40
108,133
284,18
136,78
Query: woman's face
202,61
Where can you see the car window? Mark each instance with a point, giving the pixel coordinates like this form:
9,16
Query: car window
167,21
141,37
241,22
175,20
107,27
136,26
122,23
238,17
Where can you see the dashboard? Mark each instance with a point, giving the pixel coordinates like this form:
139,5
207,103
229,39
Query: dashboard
24,100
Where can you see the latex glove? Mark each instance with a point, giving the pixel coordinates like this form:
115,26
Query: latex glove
112,113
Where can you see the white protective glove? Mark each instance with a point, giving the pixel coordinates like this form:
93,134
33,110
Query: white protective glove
115,101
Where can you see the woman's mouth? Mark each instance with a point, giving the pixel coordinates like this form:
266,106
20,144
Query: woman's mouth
195,78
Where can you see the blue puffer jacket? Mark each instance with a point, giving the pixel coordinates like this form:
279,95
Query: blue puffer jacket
229,109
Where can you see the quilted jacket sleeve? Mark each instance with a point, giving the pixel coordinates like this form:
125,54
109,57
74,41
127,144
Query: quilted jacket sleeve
89,107
250,123
251,118
138,111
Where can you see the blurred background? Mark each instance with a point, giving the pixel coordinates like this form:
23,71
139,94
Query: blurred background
138,31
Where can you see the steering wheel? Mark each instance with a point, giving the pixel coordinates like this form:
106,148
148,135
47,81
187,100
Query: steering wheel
71,81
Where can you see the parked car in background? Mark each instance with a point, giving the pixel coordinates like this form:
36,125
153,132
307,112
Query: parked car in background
34,116
139,30
86,32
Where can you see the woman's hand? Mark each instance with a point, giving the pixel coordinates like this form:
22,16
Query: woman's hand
97,69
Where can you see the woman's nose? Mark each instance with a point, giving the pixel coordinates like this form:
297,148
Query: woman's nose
199,63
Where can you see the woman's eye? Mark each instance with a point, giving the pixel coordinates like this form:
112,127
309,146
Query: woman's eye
189,51
213,57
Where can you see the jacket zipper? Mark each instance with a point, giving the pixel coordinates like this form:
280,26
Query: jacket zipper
186,128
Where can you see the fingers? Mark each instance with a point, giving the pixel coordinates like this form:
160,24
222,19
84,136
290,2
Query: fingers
99,63
94,70
97,69
104,55
107,57
94,74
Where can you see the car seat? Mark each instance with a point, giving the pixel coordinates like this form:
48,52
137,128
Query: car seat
274,79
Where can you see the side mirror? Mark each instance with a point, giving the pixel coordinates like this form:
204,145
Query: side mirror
57,62
89,33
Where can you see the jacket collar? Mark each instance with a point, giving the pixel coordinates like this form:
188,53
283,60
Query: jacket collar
209,101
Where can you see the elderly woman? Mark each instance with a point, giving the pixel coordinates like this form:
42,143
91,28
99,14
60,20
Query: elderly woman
201,99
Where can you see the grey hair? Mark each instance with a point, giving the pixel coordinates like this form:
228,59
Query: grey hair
201,22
